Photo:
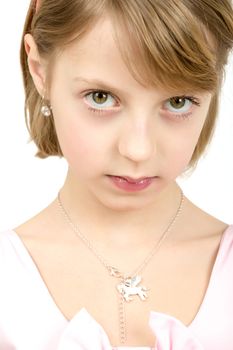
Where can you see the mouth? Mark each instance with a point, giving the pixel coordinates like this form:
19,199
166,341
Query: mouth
131,184
133,180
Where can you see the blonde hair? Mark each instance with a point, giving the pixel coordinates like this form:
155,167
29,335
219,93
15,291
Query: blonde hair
170,39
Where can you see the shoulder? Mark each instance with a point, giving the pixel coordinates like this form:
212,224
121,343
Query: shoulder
199,224
204,233
44,225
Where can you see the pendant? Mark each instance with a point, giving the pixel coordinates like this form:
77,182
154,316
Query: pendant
130,286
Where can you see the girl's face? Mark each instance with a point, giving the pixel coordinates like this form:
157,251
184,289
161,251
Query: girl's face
109,124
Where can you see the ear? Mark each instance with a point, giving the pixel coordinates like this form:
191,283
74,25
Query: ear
36,65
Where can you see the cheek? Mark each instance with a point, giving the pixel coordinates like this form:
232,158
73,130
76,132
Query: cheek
79,150
81,145
180,149
77,133
179,158
74,141
72,135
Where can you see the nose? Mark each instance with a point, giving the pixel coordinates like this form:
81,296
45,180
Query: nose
137,140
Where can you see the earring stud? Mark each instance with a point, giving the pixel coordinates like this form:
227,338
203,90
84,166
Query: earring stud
46,109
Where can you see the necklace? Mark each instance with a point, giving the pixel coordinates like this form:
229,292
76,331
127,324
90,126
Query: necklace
129,284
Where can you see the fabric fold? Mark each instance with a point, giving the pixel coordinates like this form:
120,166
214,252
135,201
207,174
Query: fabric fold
84,333
171,334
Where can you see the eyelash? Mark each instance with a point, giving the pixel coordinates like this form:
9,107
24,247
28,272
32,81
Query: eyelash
187,115
101,111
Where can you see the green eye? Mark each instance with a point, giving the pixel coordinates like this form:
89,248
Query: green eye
177,102
180,104
100,97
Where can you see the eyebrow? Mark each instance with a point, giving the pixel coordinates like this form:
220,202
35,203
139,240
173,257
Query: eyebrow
101,85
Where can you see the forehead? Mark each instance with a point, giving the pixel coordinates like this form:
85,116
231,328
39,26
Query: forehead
97,47
109,49
96,55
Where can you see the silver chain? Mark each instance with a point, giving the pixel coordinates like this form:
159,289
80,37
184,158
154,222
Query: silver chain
115,272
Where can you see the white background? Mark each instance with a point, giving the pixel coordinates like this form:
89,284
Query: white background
28,184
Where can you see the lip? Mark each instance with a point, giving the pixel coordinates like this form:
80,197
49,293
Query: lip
130,184
133,180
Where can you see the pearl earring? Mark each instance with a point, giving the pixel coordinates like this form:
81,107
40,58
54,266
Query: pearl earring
46,109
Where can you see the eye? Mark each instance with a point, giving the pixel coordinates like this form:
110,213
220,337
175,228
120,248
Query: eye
180,104
100,100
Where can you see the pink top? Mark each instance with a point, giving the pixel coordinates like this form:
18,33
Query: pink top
30,319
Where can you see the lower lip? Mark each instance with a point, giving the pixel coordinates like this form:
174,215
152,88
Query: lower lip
123,184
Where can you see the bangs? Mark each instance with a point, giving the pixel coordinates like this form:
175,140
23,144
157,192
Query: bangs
164,45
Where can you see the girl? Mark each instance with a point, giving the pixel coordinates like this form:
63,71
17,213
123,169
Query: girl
127,92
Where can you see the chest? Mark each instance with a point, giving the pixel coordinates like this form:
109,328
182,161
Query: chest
175,284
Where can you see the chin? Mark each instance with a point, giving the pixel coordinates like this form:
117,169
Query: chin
126,203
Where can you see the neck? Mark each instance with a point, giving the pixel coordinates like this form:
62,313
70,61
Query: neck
119,227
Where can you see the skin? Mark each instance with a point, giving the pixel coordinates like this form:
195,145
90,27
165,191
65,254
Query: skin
137,136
